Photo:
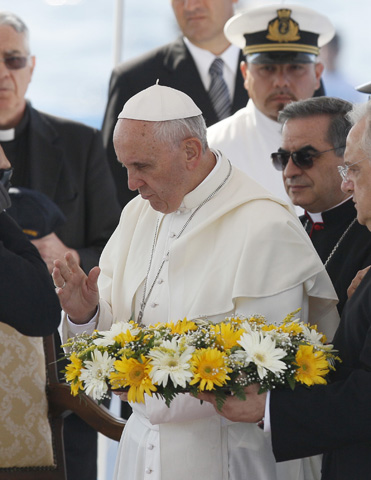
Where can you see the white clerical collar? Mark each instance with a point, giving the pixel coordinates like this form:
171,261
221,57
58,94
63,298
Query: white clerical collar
210,183
203,60
7,135
317,217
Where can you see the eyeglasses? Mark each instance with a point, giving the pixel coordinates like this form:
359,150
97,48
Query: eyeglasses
15,63
302,158
344,171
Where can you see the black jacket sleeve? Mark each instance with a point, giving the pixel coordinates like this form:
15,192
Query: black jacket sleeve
321,419
334,419
28,299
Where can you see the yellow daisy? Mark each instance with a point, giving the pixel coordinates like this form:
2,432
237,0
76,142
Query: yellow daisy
312,366
133,373
124,337
73,371
181,326
226,335
209,368
76,387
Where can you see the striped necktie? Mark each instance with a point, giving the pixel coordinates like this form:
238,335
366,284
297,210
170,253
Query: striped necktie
218,91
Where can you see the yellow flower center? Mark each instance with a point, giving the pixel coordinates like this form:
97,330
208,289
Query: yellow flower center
260,357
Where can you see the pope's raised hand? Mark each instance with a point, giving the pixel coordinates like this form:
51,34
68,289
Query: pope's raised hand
78,293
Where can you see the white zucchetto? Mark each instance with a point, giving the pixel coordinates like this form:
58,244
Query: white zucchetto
158,104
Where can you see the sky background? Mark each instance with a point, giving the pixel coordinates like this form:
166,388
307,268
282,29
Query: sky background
73,41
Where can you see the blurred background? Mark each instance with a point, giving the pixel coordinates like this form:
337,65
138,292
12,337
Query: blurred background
74,44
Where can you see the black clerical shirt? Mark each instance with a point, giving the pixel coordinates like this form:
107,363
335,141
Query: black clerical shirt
349,255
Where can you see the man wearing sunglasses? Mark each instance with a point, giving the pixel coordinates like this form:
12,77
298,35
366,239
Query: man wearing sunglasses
66,161
281,46
314,134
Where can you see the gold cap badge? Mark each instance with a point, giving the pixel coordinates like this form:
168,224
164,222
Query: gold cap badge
283,28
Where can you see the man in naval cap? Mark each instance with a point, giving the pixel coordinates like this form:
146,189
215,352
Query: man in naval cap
281,44
201,240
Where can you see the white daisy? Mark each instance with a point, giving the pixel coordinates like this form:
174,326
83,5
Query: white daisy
315,338
171,361
95,373
262,351
110,335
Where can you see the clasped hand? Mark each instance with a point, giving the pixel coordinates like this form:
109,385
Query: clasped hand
250,410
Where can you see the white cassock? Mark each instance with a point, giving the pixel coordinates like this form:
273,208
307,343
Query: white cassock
248,138
244,252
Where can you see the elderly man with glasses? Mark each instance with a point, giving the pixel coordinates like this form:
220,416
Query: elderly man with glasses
333,419
314,134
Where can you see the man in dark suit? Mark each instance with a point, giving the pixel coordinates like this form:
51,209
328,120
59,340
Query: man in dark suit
184,65
66,161
333,419
314,131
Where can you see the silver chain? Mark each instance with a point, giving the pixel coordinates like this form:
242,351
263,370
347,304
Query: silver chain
338,242
145,297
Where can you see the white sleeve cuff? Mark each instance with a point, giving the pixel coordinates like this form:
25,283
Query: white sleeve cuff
77,328
267,417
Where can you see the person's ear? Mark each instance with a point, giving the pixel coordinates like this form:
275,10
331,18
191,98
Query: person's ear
243,68
193,150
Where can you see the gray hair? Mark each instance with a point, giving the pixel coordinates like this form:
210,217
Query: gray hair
335,108
12,20
173,132
358,112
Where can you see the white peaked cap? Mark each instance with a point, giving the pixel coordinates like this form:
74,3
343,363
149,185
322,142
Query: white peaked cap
250,29
158,104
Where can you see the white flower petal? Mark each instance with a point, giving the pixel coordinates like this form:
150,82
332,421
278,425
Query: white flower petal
95,373
261,349
170,361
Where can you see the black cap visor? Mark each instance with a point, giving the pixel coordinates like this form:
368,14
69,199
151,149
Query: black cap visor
281,57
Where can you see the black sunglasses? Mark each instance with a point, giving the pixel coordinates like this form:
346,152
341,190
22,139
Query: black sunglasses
14,63
302,158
